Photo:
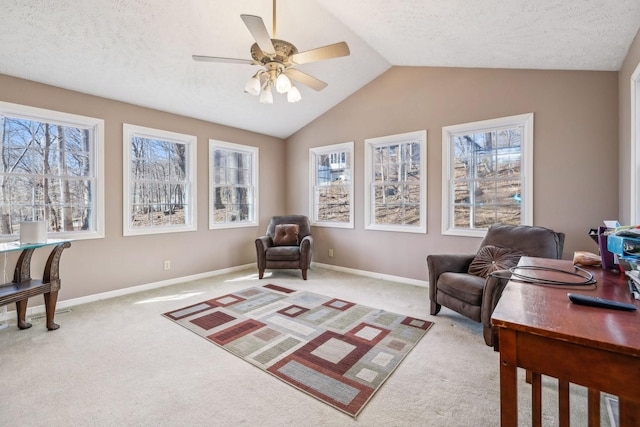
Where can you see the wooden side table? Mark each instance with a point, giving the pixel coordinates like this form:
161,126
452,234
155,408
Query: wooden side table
23,286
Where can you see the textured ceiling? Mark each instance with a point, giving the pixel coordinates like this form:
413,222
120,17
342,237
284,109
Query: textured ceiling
139,51
536,34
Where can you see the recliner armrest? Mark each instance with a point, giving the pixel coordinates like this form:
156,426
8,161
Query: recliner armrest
262,244
493,288
308,240
442,263
306,249
265,242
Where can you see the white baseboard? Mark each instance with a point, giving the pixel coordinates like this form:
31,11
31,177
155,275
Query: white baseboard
65,304
373,275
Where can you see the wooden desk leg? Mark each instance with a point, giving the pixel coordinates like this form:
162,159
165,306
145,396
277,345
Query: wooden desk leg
563,403
21,310
593,407
629,413
536,398
508,379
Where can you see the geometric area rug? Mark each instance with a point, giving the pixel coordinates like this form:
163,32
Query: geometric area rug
337,351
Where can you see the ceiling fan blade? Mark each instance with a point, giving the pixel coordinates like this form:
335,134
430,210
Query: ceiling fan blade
259,32
202,58
335,50
305,79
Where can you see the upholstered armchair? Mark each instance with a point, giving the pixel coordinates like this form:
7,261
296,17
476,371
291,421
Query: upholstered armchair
288,244
463,282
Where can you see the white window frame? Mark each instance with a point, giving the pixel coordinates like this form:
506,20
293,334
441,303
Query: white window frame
254,213
313,179
190,142
369,199
96,128
634,199
526,171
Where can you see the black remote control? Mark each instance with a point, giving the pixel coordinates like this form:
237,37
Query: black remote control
599,302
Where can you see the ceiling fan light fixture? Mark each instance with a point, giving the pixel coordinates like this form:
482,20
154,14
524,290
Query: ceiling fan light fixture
266,97
276,57
283,84
294,94
253,85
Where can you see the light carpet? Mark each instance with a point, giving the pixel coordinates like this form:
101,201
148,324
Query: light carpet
333,349
116,362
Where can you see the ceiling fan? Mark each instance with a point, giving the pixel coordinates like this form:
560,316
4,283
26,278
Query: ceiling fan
277,57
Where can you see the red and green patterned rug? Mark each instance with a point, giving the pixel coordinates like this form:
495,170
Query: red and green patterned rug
337,351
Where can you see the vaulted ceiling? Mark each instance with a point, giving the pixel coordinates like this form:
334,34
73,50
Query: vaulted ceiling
139,51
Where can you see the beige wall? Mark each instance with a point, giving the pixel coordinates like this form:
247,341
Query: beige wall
575,184
575,154
624,149
115,262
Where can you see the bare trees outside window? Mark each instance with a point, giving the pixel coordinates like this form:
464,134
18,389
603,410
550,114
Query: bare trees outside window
160,185
233,179
396,181
487,173
49,171
331,201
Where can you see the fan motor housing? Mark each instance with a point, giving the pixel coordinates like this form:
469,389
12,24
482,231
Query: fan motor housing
283,49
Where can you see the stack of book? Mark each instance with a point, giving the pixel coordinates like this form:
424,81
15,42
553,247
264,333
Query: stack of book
634,283
625,245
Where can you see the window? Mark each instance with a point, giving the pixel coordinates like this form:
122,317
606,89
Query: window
395,179
487,175
331,198
159,183
634,200
233,185
51,171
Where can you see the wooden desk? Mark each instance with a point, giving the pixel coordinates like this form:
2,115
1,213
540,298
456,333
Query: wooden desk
23,286
540,330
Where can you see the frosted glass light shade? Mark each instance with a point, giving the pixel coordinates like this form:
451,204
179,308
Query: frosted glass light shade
283,84
294,94
253,86
266,97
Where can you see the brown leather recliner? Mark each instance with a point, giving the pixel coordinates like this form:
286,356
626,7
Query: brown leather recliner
474,296
278,249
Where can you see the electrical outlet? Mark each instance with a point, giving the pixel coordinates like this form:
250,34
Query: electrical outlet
167,265
330,253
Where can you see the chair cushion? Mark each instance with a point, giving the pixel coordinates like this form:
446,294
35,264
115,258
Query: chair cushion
283,253
462,286
286,235
492,258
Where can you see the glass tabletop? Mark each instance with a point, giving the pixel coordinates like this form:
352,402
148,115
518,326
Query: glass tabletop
17,246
